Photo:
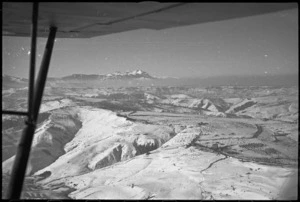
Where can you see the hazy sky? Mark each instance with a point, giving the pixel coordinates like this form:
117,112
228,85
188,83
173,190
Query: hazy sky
263,44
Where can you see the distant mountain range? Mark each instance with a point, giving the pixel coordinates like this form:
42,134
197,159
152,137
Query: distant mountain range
13,82
139,76
136,74
7,78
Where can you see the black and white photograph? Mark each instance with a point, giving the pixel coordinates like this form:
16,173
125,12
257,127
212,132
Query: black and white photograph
150,100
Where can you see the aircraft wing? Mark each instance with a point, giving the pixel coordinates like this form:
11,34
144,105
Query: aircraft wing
84,20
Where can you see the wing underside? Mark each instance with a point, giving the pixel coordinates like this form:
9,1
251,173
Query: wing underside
84,20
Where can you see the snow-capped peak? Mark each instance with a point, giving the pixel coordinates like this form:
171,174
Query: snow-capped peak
118,73
136,72
130,74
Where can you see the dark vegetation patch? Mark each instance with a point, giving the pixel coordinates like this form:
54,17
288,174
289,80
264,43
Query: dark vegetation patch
230,152
244,106
43,116
252,145
202,124
270,151
46,151
44,175
281,134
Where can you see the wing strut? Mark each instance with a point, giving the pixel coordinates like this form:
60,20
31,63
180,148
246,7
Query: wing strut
34,101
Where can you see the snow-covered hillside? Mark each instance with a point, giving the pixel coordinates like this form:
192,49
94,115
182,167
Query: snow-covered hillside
157,142
205,106
49,140
175,172
104,139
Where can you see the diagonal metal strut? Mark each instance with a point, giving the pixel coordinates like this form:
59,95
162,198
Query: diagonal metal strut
35,98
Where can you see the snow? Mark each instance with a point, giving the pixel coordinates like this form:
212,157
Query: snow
135,72
180,96
117,73
48,140
176,173
8,91
189,102
176,170
112,192
104,139
106,156
269,107
91,95
96,159
151,98
51,105
41,136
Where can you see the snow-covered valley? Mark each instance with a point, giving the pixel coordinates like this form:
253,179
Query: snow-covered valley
158,143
